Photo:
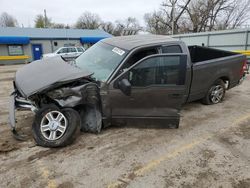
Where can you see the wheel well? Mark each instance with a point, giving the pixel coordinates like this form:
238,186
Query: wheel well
226,80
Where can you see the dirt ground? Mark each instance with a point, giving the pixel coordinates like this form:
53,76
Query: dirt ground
210,149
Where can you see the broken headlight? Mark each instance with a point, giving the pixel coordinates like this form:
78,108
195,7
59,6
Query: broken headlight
60,93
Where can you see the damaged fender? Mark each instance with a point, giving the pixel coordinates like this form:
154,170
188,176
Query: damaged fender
87,97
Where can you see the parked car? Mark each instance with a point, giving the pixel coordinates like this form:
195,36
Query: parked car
145,77
68,53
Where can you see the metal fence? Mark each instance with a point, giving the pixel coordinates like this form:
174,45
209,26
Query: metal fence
232,40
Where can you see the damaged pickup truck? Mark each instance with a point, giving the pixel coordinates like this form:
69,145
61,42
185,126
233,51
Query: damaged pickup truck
145,77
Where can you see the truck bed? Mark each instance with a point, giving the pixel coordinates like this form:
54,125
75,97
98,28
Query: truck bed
209,65
199,53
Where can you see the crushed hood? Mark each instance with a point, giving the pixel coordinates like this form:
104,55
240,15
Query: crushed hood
42,74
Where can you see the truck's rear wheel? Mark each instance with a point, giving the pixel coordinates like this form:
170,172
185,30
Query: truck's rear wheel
54,127
216,93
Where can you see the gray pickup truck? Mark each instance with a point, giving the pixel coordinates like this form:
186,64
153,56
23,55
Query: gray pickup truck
145,77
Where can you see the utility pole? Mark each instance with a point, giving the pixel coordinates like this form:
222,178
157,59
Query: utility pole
173,17
45,19
66,33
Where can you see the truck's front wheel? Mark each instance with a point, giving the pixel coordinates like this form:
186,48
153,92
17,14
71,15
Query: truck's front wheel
216,93
54,127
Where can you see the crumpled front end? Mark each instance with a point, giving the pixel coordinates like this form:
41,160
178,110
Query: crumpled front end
33,81
82,95
87,98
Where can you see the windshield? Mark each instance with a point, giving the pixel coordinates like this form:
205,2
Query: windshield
101,59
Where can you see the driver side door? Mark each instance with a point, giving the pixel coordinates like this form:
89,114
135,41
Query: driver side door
159,86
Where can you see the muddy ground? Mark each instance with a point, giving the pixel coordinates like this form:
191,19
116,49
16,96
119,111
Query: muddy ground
210,149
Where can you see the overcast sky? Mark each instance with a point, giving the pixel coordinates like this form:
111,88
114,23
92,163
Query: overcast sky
67,11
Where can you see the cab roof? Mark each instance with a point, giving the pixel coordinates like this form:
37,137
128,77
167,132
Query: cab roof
133,41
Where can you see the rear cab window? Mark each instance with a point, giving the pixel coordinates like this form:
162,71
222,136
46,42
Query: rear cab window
171,49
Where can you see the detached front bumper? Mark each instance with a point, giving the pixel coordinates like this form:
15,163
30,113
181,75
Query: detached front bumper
17,103
12,112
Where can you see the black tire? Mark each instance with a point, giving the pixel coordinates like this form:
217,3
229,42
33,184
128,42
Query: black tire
72,119
176,123
209,98
91,119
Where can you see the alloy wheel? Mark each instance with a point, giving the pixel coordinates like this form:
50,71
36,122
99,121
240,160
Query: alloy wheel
53,125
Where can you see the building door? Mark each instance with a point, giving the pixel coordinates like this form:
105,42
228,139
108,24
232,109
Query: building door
37,51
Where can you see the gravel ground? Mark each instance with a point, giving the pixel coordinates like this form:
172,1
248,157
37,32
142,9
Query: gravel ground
210,149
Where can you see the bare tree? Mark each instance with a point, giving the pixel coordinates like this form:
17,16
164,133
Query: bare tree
167,18
59,26
203,14
208,15
129,26
119,27
7,20
182,16
174,10
88,20
132,22
108,27
236,14
157,23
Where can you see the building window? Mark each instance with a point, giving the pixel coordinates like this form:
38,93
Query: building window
55,44
15,50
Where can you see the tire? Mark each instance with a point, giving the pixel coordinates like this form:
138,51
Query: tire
216,93
91,120
59,133
176,124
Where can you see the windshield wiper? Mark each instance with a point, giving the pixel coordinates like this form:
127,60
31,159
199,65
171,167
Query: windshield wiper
92,77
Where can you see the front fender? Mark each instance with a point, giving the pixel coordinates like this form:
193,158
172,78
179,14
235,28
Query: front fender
84,94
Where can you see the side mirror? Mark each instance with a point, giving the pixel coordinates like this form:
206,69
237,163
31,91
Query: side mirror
125,86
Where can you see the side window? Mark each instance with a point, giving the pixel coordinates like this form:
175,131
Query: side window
171,49
80,50
161,70
138,56
63,50
169,69
72,50
144,74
